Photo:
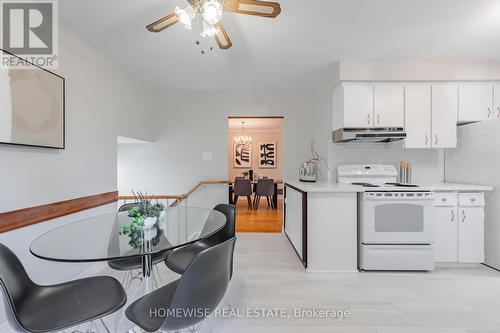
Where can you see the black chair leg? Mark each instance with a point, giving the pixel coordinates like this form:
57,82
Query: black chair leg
257,200
268,203
235,200
249,202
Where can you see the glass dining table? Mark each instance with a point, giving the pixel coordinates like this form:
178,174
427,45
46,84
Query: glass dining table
102,238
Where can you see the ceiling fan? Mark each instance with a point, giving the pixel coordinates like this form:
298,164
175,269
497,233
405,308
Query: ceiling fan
210,12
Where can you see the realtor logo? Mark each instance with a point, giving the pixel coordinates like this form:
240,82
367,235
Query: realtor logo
29,30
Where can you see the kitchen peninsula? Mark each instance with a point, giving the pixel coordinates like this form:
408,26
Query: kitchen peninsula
321,219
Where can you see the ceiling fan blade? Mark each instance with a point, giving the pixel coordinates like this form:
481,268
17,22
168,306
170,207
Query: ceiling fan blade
221,37
253,7
163,23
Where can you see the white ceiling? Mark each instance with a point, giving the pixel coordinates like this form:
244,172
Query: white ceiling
292,51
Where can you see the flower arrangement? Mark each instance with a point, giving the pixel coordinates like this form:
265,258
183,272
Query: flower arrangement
145,210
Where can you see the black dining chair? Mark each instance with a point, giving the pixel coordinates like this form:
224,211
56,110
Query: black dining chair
178,260
34,308
187,301
243,188
265,188
134,264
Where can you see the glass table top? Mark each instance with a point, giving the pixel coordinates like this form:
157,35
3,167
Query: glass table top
101,238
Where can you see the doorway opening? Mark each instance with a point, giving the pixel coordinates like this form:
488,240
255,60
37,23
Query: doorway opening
255,155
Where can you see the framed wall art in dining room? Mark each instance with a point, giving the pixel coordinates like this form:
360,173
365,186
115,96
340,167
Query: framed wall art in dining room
242,155
32,110
267,155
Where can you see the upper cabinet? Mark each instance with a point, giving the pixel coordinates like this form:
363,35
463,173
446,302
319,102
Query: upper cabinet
368,106
357,105
475,103
431,116
428,112
444,104
389,106
418,116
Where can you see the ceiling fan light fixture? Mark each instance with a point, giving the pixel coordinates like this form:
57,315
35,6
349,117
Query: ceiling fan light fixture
185,16
212,11
208,30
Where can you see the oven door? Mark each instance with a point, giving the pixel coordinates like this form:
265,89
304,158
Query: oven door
397,218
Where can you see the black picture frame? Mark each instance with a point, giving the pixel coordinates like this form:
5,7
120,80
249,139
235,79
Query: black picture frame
63,108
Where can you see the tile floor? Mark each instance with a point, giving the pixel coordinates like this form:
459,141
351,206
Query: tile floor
267,275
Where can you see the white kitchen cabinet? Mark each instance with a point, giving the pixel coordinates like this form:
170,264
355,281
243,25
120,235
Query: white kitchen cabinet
496,108
446,227
389,106
444,103
353,106
475,103
459,227
471,228
418,116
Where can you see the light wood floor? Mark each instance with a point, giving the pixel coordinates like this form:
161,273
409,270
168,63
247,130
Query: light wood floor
263,219
268,275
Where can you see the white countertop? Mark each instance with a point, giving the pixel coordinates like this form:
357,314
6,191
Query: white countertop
336,187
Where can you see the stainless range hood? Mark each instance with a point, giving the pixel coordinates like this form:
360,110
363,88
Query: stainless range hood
368,135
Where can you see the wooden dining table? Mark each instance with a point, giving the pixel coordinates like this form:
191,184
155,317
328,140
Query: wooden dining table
254,184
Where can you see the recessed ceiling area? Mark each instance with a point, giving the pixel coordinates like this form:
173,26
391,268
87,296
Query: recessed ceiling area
290,52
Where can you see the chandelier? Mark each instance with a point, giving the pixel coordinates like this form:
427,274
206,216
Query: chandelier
243,139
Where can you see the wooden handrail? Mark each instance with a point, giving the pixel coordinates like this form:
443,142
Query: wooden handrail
179,197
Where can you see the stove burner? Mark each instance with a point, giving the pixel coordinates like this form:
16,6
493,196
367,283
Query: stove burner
365,184
401,185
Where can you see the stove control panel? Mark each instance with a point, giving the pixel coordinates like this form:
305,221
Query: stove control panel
367,170
367,173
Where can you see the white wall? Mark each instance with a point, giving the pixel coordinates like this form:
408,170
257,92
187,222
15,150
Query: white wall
102,101
477,160
190,123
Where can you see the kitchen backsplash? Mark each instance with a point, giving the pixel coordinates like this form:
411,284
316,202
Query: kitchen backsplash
428,165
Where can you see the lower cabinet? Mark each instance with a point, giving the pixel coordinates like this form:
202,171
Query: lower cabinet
459,227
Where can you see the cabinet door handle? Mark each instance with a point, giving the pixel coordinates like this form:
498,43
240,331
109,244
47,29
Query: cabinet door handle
452,215
498,115
489,112
369,119
378,119
436,141
426,139
463,216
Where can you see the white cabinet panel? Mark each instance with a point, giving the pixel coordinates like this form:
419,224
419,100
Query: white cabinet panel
471,235
475,102
444,116
358,106
418,116
497,102
389,106
446,234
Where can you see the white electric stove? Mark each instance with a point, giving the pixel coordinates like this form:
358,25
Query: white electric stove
394,220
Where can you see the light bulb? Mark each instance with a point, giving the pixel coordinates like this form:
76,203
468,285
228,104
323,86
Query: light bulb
208,30
185,16
212,11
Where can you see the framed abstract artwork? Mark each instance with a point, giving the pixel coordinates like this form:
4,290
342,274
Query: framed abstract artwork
242,155
31,106
267,155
